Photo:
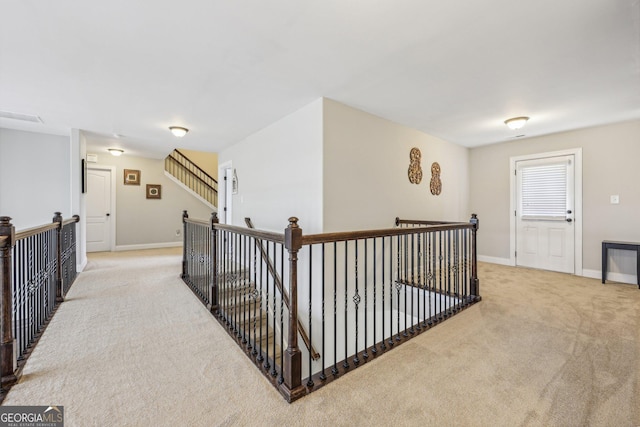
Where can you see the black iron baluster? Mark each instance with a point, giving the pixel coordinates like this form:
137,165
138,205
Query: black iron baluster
281,377
245,289
346,305
266,305
356,300
323,376
310,381
374,347
421,287
383,346
413,283
274,372
334,370
399,285
391,342
256,296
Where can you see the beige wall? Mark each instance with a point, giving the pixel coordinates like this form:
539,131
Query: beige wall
279,172
208,162
142,221
366,185
610,166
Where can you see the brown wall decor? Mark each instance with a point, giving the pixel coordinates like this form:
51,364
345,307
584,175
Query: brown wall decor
154,191
415,171
436,183
131,177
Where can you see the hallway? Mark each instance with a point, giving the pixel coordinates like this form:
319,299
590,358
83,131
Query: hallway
132,346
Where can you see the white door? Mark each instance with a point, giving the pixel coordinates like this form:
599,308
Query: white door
545,199
98,210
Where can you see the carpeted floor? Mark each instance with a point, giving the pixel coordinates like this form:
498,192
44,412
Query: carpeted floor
132,346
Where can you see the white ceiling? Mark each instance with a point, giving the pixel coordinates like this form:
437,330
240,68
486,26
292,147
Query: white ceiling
225,69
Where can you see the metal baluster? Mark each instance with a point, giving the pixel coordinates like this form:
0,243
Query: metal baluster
245,288
399,285
323,377
334,370
374,348
281,377
383,346
391,342
310,381
274,372
413,281
260,358
356,300
346,305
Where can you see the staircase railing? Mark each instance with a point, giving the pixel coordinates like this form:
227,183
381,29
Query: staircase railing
192,176
358,294
37,269
278,281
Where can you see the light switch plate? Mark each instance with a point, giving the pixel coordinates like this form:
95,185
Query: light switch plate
615,199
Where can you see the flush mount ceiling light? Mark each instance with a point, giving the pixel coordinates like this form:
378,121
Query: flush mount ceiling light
115,151
178,131
516,122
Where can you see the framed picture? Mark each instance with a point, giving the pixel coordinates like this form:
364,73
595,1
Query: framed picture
131,177
154,191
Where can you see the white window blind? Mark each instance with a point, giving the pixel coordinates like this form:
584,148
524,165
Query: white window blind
544,191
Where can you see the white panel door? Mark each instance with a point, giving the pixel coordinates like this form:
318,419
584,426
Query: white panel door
98,210
545,232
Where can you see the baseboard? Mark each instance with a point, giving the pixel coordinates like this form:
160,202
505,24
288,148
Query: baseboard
494,260
148,246
80,267
613,277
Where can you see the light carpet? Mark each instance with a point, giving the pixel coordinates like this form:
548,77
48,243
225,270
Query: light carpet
132,346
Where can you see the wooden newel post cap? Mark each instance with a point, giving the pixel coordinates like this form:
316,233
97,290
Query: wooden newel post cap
293,222
57,216
475,221
185,214
214,217
5,220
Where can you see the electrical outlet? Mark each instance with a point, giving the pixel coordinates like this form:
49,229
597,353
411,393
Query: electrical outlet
615,199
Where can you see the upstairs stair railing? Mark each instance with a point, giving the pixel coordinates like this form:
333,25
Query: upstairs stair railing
278,281
37,269
357,294
192,176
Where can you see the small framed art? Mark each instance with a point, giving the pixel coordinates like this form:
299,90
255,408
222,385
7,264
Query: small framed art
154,191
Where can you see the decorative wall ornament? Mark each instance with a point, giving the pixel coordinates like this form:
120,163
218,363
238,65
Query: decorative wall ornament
415,171
131,177
154,191
436,183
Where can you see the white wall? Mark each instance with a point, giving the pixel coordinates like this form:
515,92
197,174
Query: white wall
279,172
366,161
144,223
35,177
610,166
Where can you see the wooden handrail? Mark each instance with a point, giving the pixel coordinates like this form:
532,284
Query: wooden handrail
28,232
314,354
421,222
258,234
196,166
311,239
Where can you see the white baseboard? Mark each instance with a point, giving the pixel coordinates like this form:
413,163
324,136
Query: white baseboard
611,276
80,267
148,246
494,260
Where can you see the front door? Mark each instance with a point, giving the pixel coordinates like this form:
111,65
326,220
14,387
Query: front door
545,199
98,210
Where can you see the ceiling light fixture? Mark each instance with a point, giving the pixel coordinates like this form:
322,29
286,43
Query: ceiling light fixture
516,122
178,131
115,151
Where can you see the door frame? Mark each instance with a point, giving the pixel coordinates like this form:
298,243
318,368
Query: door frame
577,218
222,193
112,216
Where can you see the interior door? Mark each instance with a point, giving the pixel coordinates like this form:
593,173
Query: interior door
545,199
98,210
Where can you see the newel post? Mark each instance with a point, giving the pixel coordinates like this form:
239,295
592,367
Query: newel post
8,360
475,282
214,262
185,215
57,218
292,370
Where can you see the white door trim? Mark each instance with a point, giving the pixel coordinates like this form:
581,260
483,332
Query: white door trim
577,153
222,193
112,221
